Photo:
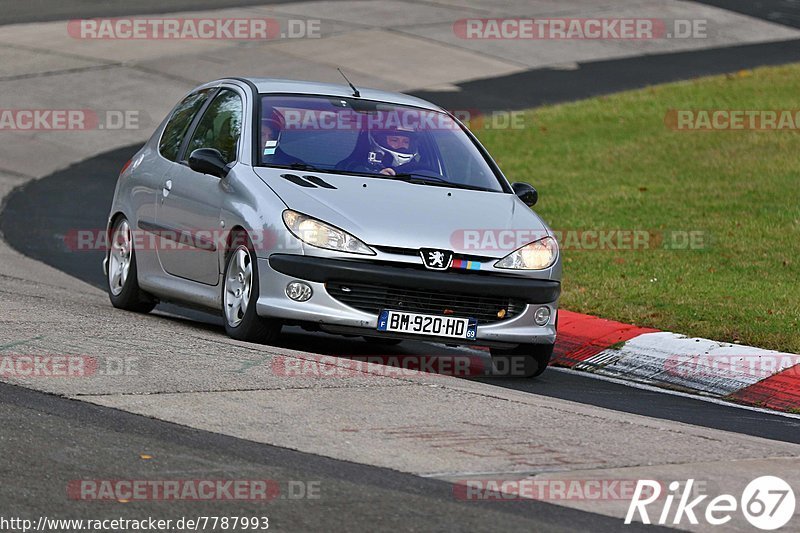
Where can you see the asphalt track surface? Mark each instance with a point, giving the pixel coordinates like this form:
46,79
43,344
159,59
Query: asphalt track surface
516,91
37,217
549,86
785,12
76,440
21,11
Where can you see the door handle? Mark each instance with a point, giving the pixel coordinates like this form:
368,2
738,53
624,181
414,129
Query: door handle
167,188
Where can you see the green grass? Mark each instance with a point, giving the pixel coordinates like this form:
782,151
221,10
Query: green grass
611,163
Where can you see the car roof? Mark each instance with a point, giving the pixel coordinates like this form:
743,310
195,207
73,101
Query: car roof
275,85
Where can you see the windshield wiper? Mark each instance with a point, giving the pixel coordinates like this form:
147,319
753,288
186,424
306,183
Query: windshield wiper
425,179
296,166
409,177
306,167
311,168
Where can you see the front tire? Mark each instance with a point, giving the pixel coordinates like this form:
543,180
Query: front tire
526,360
122,279
240,290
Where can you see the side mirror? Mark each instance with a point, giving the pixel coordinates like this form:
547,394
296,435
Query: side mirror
526,193
208,161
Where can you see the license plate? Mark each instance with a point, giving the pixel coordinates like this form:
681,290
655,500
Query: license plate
437,326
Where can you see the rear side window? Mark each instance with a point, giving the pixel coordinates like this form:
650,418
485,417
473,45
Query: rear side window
220,127
179,122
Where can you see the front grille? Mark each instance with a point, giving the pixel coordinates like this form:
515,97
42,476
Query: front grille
373,299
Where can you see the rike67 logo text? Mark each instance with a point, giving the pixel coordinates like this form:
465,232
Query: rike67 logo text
767,503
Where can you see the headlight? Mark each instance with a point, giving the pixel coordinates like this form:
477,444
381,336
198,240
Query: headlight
322,235
534,256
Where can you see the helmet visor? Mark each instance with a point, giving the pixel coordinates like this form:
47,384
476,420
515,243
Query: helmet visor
399,141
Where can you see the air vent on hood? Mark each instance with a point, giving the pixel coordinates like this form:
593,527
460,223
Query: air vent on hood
319,181
308,181
297,180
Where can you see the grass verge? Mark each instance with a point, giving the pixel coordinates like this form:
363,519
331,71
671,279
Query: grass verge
611,163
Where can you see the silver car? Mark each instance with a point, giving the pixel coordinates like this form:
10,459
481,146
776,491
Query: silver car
355,212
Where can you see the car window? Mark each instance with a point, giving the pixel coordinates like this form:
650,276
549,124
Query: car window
317,147
350,135
179,122
451,149
221,126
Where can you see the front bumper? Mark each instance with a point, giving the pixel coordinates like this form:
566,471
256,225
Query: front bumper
332,315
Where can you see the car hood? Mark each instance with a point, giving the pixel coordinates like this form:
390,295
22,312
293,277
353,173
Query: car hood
386,212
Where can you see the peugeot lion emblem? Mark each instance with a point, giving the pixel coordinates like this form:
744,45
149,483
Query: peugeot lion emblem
436,259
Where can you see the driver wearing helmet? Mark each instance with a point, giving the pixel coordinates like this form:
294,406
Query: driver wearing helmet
271,129
393,151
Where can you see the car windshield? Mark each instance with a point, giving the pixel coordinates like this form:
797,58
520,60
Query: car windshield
363,137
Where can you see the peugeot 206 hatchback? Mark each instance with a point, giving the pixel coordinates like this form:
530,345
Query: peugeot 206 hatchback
366,213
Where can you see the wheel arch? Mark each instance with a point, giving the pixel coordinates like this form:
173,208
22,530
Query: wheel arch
235,230
112,220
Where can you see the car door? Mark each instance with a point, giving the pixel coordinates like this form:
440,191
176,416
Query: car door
188,215
153,170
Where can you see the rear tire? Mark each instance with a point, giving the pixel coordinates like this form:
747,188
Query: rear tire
526,360
122,279
240,290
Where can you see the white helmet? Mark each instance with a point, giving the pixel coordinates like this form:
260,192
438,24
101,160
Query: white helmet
399,143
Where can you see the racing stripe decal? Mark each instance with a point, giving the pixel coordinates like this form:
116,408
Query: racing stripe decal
466,265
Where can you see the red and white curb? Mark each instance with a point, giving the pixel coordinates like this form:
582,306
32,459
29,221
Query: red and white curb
742,374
